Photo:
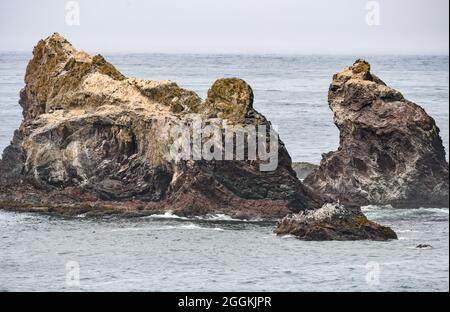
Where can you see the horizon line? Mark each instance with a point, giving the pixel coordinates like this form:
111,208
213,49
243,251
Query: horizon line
252,53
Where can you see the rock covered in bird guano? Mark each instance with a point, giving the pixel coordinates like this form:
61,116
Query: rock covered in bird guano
333,222
390,150
94,141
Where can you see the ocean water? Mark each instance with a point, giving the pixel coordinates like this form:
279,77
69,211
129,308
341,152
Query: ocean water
40,253
166,253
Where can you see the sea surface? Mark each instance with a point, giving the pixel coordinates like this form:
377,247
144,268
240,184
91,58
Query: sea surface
167,253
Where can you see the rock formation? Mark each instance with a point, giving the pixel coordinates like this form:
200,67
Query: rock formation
390,150
94,141
333,222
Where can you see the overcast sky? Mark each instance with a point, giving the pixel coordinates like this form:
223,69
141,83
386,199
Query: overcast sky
231,26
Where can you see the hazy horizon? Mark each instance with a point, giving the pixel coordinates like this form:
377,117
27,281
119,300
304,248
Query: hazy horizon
239,53
285,27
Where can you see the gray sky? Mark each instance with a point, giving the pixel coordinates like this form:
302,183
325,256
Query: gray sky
231,26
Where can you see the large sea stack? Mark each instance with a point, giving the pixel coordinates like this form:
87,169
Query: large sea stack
390,150
94,141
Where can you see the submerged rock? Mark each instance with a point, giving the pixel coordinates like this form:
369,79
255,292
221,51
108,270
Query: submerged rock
333,222
390,150
94,141
424,246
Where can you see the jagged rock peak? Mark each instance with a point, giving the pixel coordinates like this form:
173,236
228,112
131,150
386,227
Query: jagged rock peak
56,71
62,77
360,66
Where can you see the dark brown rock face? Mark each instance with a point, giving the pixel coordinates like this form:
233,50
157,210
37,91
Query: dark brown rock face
95,141
390,150
333,222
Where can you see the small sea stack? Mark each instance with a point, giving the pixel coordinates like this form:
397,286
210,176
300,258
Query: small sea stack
390,149
333,222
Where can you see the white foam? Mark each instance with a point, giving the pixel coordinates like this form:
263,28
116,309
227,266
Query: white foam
375,207
219,217
190,226
224,217
167,215
210,217
7,217
406,231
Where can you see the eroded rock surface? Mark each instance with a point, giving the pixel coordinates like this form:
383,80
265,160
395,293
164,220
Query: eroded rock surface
92,141
333,222
390,150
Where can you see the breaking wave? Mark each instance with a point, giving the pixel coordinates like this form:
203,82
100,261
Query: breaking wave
212,217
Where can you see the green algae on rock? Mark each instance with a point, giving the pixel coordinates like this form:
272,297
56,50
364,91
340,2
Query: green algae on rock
230,99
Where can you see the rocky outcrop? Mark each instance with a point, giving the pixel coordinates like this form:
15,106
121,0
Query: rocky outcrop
390,150
333,222
94,141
